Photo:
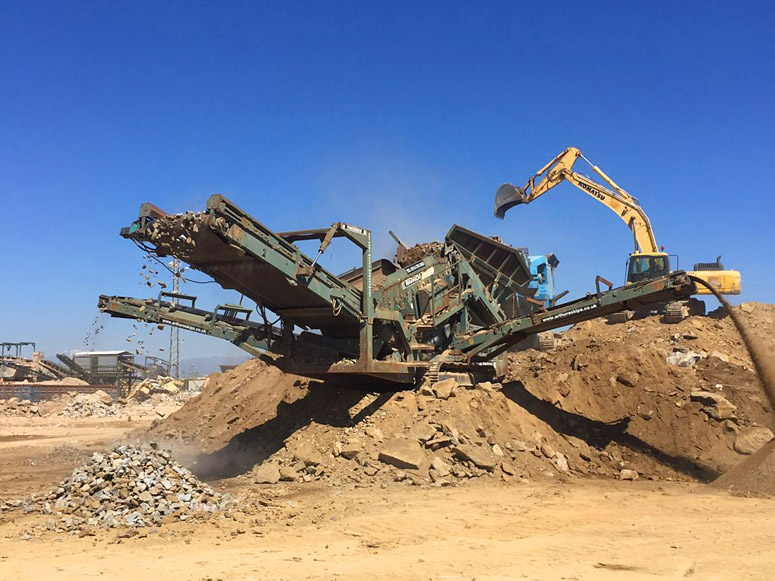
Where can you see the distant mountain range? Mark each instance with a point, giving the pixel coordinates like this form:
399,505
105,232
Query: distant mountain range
199,366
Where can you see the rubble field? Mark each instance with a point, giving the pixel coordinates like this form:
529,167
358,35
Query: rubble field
640,400
147,393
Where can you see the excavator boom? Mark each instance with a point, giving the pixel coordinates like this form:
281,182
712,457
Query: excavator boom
560,169
648,260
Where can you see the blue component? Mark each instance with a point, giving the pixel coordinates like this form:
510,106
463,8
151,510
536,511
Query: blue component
542,268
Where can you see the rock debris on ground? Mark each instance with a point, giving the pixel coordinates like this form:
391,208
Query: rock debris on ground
85,405
608,401
127,486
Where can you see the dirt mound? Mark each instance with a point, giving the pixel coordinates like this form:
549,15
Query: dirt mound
230,403
606,402
339,435
64,381
754,476
690,414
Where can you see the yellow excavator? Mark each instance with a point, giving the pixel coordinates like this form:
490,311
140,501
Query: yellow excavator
648,260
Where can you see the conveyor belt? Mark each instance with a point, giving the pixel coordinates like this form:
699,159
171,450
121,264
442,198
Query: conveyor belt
240,253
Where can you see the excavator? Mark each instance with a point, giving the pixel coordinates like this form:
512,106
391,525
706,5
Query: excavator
648,260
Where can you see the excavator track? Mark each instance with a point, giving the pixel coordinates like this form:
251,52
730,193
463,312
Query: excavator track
675,312
545,341
432,375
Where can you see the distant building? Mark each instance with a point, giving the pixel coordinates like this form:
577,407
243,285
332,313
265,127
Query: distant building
106,366
94,361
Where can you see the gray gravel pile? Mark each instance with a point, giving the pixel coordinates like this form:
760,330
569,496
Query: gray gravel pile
85,405
133,486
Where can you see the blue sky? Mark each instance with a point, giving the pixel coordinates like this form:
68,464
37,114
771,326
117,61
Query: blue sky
403,116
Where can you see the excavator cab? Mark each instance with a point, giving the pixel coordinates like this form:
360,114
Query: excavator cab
647,265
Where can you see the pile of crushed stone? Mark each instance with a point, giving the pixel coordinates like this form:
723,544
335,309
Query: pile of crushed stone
128,486
148,387
18,407
84,405
610,401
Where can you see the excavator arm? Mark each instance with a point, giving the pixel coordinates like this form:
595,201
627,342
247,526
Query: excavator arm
560,169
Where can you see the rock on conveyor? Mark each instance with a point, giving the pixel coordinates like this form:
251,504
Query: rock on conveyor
128,486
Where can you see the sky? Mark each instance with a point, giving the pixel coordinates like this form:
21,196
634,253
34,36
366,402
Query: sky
401,115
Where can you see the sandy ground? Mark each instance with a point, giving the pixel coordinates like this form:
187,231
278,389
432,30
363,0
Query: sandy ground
578,529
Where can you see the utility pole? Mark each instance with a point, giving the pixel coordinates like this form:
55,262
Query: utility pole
174,331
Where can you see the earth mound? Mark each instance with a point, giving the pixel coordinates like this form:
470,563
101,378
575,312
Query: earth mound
641,399
687,391
754,476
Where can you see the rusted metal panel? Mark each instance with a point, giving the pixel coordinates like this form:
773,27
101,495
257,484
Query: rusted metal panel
42,392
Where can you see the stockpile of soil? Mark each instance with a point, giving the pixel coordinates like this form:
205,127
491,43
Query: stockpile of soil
230,403
619,373
753,476
338,435
605,402
64,381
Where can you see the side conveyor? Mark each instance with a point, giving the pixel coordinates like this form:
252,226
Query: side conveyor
223,323
241,253
494,340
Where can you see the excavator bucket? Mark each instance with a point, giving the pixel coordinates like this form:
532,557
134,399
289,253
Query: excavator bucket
506,197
